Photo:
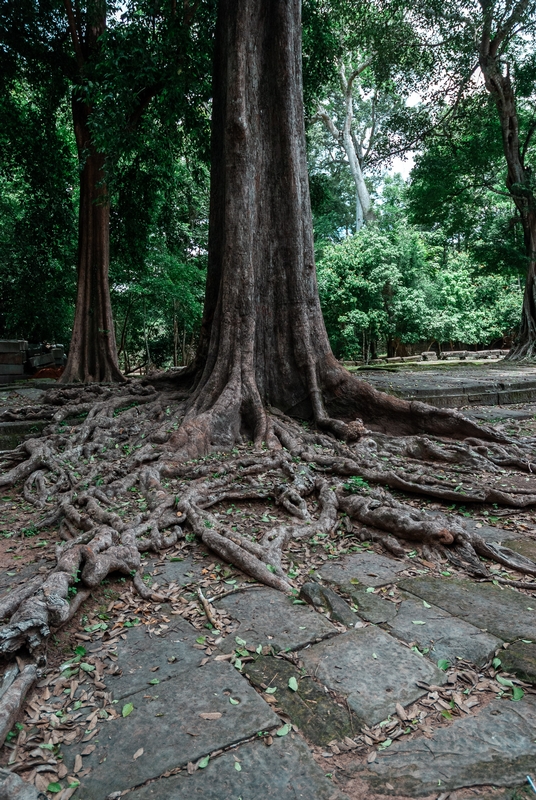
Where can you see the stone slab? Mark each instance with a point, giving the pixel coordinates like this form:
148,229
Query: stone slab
268,617
322,597
166,723
362,569
525,547
445,637
310,708
15,575
520,659
173,654
372,607
372,669
284,771
496,747
502,612
180,572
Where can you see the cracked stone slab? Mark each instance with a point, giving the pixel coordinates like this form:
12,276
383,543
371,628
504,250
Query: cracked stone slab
166,723
445,636
268,617
502,612
323,597
284,771
495,747
139,653
362,569
372,669
318,716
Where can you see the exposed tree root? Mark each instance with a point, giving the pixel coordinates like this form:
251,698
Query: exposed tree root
134,438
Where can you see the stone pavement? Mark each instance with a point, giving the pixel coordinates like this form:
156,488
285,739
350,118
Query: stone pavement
277,699
448,386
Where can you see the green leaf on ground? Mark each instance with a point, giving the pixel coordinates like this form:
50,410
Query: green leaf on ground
87,667
418,622
237,766
271,690
426,605
233,702
154,681
496,663
54,787
204,762
127,709
370,589
504,681
518,693
293,684
443,664
446,714
240,642
283,731
387,743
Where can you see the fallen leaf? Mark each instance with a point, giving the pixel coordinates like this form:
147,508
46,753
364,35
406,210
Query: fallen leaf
138,753
128,708
372,757
203,762
293,684
401,712
210,715
78,763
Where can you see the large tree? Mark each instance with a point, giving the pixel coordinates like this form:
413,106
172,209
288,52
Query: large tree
264,360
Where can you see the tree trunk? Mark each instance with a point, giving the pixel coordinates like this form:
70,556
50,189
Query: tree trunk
93,352
263,342
518,181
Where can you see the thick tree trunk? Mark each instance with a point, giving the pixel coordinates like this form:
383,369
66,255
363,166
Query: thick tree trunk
263,340
93,351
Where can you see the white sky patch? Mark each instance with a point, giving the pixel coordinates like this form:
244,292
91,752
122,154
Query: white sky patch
403,166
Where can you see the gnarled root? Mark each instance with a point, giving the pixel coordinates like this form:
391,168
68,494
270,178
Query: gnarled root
133,441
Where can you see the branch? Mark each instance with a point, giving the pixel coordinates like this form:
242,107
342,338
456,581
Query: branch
144,98
74,33
357,72
530,134
323,115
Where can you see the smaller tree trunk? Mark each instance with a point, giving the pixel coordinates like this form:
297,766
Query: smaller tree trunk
93,351
519,177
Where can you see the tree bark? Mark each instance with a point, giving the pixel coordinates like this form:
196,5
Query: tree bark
263,341
519,177
93,351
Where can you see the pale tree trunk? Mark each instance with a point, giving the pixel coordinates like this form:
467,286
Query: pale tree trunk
345,138
498,83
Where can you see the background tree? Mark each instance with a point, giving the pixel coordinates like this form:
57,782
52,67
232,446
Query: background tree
84,45
496,39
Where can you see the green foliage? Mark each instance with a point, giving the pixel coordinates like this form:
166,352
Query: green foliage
393,283
37,212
